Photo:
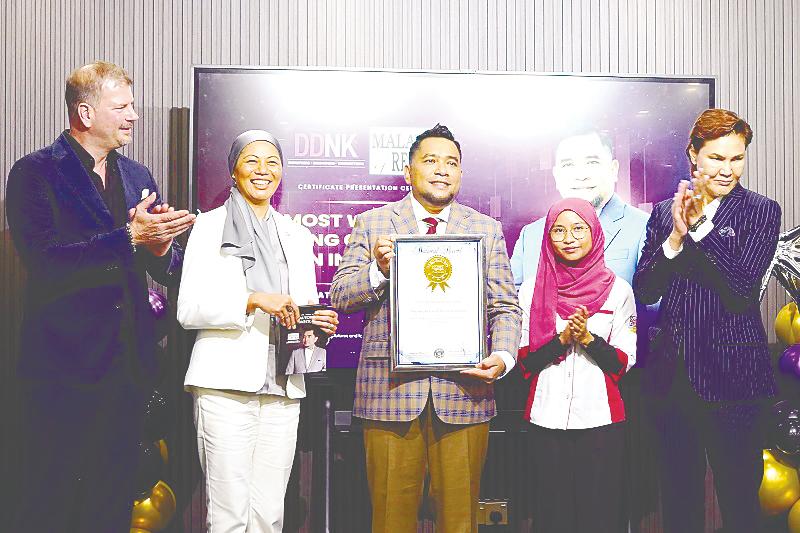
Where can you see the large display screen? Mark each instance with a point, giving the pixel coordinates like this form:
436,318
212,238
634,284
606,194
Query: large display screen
345,137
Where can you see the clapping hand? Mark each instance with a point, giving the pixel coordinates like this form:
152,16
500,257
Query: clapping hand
687,206
679,226
155,230
694,200
577,325
565,336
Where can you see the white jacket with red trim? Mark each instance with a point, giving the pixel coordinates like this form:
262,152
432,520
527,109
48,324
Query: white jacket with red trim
572,391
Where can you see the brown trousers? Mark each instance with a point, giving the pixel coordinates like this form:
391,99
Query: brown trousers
398,456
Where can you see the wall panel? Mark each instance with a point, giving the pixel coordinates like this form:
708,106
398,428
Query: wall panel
750,45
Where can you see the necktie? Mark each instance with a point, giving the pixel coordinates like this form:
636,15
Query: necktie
432,223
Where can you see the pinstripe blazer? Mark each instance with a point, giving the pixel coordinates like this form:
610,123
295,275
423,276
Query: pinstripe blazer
382,395
710,305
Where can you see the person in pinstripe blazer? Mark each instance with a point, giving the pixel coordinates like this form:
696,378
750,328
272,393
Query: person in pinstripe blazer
705,254
439,422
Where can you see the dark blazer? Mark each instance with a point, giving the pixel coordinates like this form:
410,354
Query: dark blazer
710,301
86,297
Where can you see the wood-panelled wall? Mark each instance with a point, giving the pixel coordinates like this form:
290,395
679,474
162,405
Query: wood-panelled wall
751,46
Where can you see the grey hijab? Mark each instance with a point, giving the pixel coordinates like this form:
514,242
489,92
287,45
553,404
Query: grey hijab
247,137
244,235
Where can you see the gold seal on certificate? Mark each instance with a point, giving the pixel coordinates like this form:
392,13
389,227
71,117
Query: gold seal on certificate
438,270
437,302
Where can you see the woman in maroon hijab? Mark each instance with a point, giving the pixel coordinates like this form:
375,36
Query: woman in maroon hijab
579,339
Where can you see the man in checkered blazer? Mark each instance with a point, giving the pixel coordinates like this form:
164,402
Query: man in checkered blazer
416,423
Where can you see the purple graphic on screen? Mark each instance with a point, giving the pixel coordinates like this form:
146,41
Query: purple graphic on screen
345,137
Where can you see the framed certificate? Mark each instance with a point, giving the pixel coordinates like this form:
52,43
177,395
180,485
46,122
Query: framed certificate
437,302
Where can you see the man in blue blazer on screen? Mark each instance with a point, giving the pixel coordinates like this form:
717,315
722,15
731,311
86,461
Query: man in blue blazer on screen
89,225
706,252
585,168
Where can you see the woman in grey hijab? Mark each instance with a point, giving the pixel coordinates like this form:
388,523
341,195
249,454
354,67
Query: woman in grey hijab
244,264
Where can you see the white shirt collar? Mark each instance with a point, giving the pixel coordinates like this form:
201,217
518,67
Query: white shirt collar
711,209
420,212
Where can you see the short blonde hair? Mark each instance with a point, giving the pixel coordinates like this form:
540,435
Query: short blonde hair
86,83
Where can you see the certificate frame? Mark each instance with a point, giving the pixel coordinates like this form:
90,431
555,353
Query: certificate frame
462,335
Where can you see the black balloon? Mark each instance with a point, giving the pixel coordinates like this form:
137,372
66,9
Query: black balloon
156,417
784,427
786,409
788,436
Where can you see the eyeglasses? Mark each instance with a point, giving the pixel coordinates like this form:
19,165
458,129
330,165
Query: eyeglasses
559,233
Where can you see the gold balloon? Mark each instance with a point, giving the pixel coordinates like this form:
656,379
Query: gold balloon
794,518
155,512
787,324
780,487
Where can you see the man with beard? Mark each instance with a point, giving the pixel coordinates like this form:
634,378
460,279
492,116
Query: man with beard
585,168
418,422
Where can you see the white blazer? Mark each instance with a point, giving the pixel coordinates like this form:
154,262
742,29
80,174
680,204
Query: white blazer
230,352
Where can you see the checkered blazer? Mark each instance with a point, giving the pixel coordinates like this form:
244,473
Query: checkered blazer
382,395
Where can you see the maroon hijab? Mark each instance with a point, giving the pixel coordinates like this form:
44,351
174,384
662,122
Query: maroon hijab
561,288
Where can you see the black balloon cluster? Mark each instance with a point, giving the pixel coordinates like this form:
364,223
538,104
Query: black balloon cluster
152,447
151,468
784,427
156,416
